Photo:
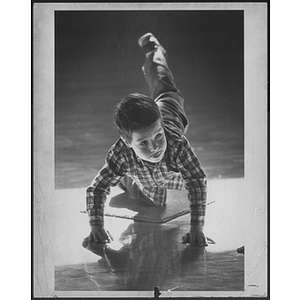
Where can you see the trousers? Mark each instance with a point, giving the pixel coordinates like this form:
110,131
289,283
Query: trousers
163,89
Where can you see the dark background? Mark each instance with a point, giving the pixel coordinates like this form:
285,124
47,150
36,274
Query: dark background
98,62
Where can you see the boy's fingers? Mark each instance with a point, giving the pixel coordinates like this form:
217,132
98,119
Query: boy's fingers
195,239
91,237
205,241
99,236
110,237
96,237
186,238
192,241
202,241
103,236
198,240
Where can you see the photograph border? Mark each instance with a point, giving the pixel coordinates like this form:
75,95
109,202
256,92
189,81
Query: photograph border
256,135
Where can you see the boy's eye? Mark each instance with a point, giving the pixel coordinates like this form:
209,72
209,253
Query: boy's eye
144,143
159,135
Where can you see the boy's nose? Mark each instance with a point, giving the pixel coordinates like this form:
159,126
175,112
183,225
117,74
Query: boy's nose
154,146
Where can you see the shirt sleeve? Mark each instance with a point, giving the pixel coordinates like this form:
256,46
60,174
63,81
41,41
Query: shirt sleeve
196,181
109,175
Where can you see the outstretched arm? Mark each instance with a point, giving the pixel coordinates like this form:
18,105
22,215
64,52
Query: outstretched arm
196,183
109,176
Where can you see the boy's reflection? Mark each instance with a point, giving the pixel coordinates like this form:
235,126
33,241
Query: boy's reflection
151,255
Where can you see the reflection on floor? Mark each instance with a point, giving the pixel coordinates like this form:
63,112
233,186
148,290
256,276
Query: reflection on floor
138,269
145,255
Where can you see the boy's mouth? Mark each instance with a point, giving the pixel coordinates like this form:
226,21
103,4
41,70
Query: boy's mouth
156,154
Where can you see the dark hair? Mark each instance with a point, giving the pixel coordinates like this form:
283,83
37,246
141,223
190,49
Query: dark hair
134,112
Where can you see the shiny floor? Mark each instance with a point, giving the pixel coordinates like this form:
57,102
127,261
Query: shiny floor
150,256
145,255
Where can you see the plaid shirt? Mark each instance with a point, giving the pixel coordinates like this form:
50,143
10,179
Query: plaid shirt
179,169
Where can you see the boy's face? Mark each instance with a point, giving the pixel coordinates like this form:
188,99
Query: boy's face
149,143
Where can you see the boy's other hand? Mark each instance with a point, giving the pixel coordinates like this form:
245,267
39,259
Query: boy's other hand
195,236
99,234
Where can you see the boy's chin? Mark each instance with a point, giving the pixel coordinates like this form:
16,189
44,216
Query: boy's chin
152,161
155,160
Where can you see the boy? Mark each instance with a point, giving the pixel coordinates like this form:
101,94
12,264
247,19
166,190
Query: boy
152,154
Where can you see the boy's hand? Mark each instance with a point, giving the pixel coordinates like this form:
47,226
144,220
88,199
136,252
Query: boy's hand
195,236
99,234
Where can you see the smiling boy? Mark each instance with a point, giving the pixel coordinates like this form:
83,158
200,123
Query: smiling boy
152,154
